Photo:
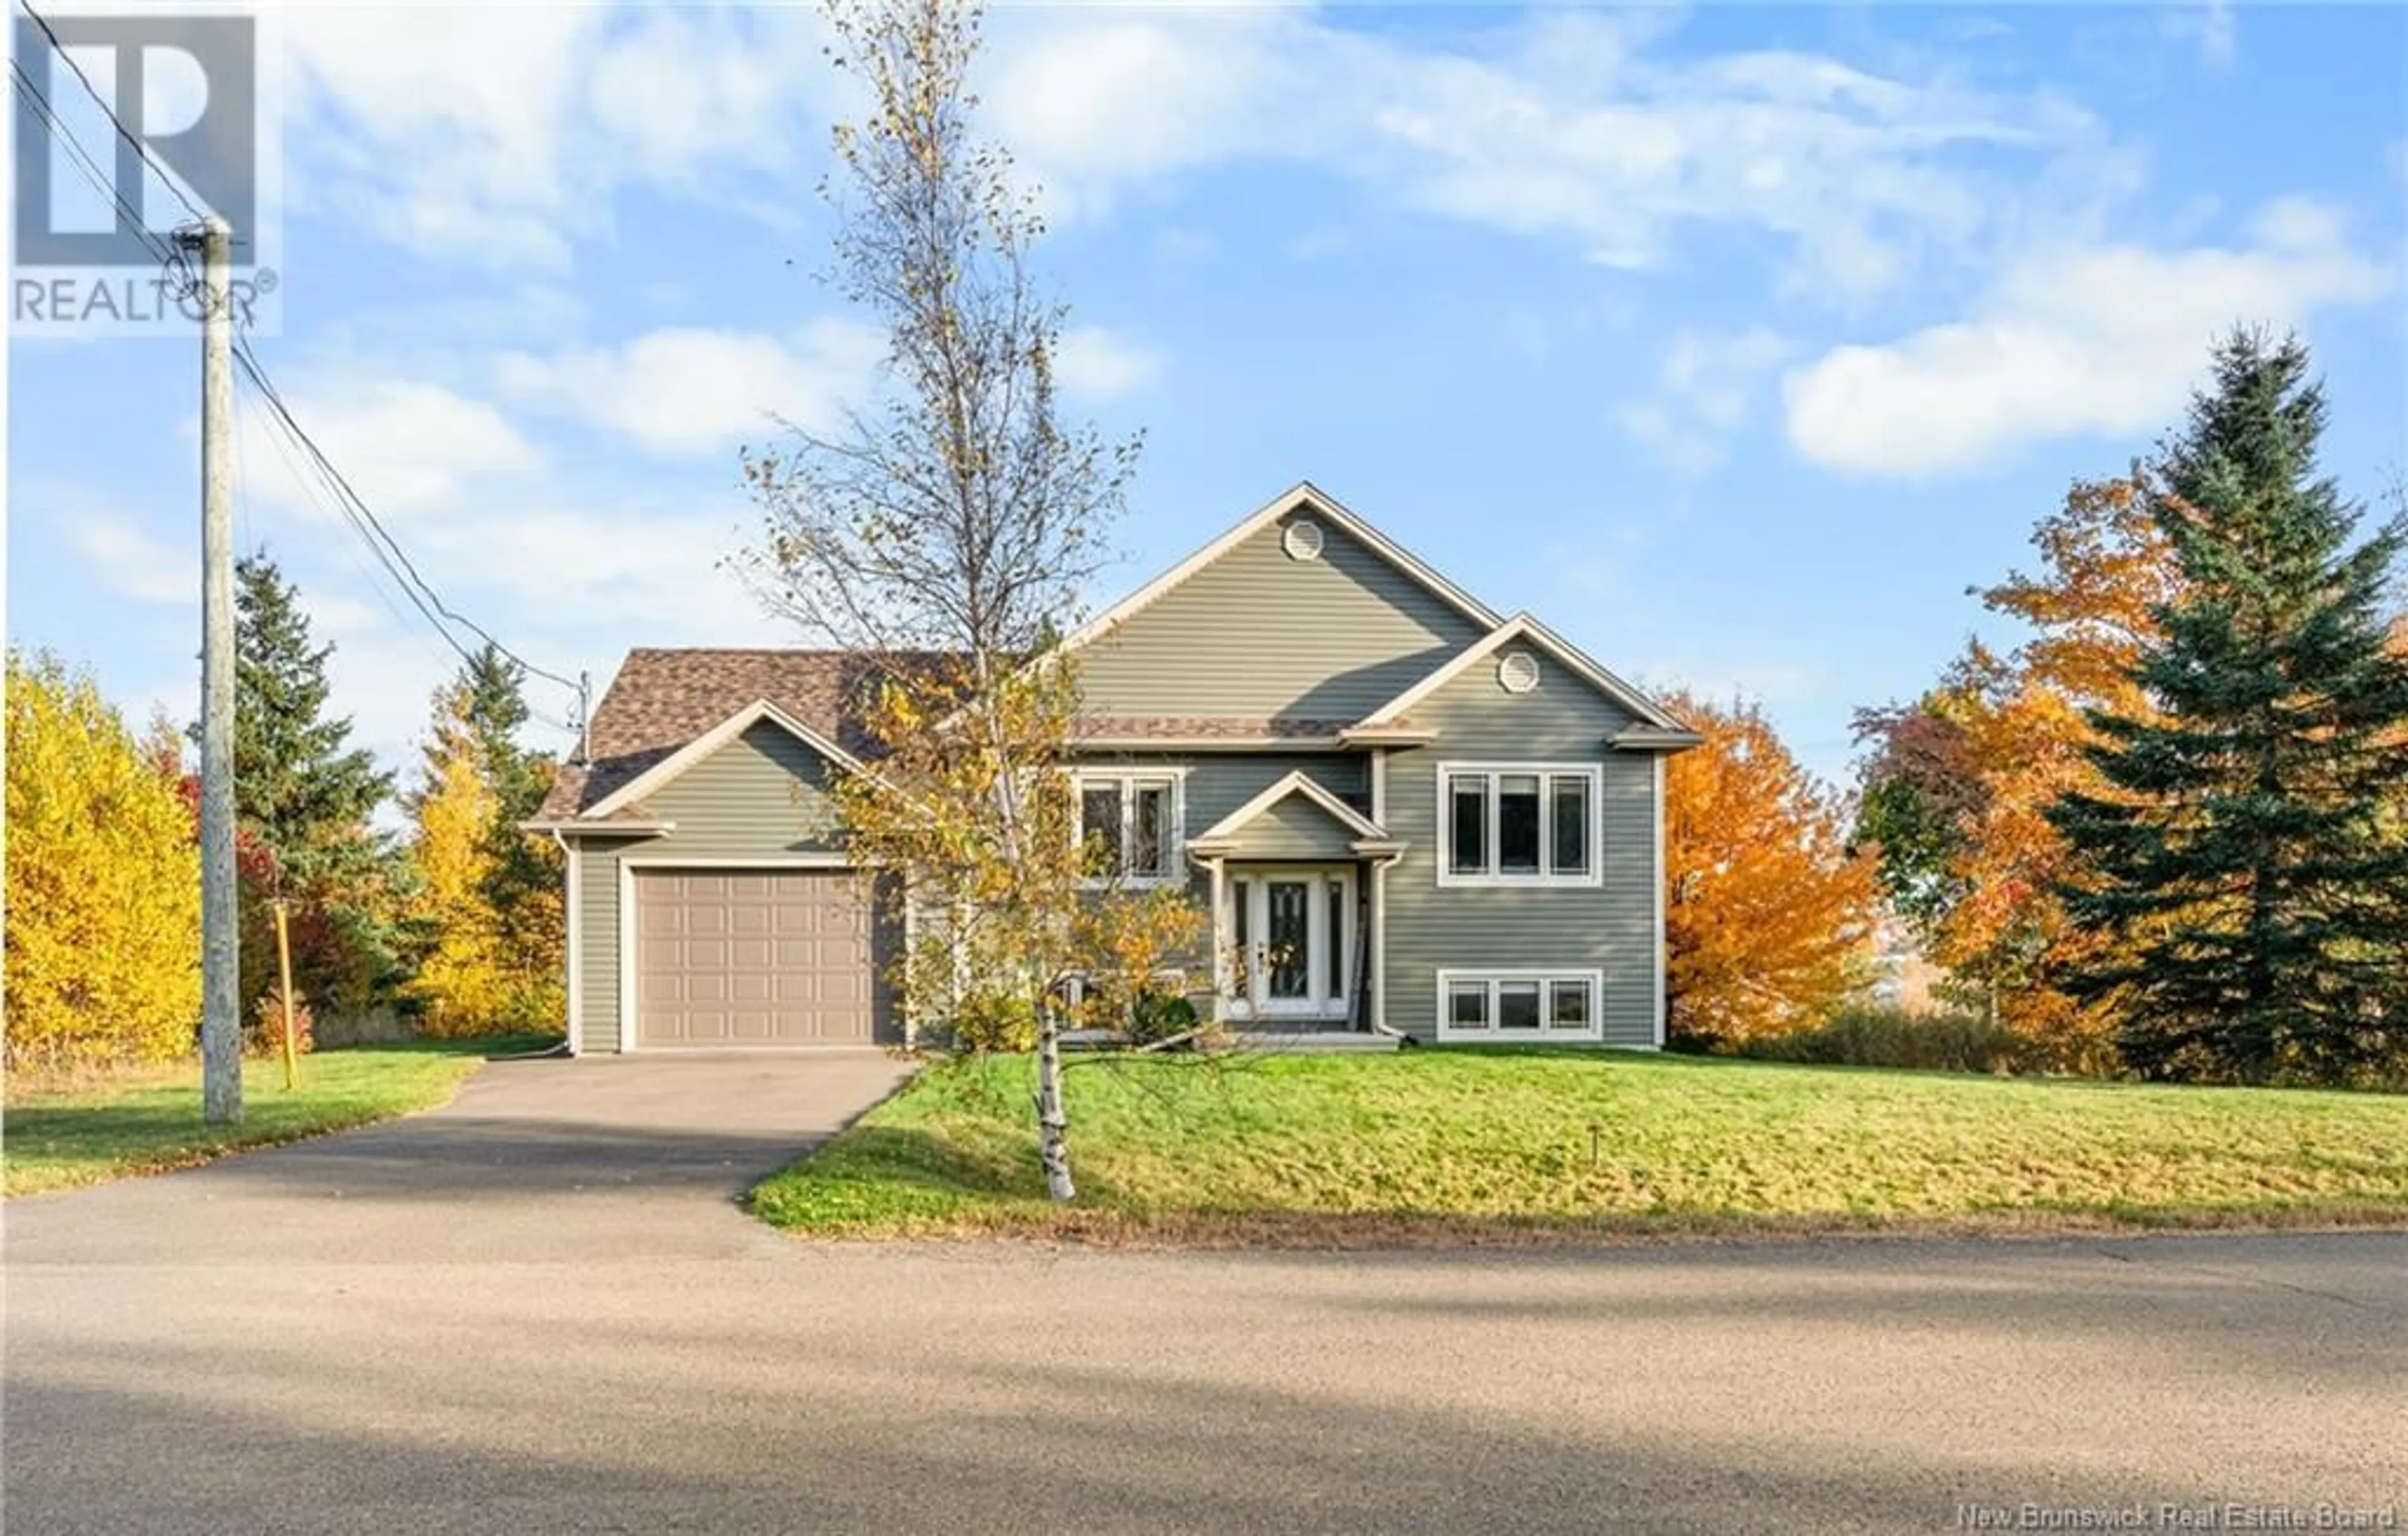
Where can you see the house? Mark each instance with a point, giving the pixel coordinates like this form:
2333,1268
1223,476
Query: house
1407,811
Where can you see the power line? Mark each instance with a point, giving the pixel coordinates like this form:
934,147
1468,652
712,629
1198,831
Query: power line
348,503
109,109
381,542
170,257
325,485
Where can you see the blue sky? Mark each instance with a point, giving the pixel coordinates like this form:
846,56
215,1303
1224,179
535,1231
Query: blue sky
1736,344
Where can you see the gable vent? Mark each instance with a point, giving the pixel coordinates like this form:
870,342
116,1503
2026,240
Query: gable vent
1302,540
1517,672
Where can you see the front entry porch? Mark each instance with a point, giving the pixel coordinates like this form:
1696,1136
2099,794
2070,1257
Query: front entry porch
1288,942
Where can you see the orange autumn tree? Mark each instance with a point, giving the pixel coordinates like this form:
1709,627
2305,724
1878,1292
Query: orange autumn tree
1958,782
1765,914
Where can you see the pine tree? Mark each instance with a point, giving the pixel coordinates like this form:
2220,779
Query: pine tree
523,873
305,797
297,787
2239,847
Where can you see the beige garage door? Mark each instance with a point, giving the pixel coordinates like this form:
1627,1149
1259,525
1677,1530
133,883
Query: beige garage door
754,958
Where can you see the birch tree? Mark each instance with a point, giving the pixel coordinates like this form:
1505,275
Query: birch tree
945,532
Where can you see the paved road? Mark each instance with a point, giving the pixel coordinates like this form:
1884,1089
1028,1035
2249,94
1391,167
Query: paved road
538,1312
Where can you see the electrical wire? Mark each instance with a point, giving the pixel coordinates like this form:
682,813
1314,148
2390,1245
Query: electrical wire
166,179
353,507
171,258
364,519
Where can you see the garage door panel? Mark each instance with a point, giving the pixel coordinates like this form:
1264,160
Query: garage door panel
758,957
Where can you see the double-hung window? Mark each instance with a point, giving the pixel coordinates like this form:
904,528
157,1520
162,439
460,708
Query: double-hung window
1129,823
1516,824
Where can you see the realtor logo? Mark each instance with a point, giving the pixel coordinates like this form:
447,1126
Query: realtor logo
98,201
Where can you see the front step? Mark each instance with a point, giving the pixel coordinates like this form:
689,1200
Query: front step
1314,1042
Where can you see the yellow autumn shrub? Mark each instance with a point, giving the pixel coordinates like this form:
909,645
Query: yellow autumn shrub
104,883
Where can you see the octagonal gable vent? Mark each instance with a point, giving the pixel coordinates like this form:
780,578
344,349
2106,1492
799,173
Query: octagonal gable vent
1302,540
1517,671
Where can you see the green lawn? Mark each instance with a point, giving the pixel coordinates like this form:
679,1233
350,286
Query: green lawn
1452,1144
147,1121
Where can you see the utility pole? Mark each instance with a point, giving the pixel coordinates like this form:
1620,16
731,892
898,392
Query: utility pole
220,1029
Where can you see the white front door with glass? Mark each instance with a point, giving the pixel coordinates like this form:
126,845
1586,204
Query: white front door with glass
1289,935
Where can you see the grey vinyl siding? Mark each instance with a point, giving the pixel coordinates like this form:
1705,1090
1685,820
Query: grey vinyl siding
1295,828
762,796
1610,927
597,927
1220,782
1259,635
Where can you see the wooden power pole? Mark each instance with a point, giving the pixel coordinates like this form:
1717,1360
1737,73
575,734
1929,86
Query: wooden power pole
221,994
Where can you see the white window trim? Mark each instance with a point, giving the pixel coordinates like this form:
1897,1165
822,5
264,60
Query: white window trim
1174,848
1248,883
1546,878
1542,975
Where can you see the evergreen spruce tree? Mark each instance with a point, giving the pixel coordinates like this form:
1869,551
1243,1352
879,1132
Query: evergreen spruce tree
2242,849
523,882
298,788
305,797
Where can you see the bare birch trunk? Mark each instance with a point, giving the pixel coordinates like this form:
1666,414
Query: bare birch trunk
1053,1123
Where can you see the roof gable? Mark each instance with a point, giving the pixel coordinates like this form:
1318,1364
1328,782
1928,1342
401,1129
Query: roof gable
1297,785
652,778
1273,627
1527,630
1303,496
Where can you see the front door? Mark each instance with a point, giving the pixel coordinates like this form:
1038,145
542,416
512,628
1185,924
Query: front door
1291,933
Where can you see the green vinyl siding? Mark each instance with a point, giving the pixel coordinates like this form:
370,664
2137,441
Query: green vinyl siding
1257,635
762,796
1220,782
597,929
1610,926
1295,828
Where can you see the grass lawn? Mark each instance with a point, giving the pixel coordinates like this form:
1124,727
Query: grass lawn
143,1122
1505,1145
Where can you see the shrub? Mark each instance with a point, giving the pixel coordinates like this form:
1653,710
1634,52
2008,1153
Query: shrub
1890,1037
1160,1016
267,1033
998,1019
104,934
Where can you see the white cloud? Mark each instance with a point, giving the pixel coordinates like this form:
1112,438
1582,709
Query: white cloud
130,559
408,447
2211,25
500,134
1099,365
496,133
1705,385
689,390
2103,339
1567,126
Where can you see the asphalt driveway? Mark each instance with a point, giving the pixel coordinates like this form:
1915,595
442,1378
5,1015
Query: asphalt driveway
546,1160
541,1311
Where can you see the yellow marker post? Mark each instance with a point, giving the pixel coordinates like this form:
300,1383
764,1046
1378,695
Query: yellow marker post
284,978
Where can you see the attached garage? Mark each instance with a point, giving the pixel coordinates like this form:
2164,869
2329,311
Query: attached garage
733,957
